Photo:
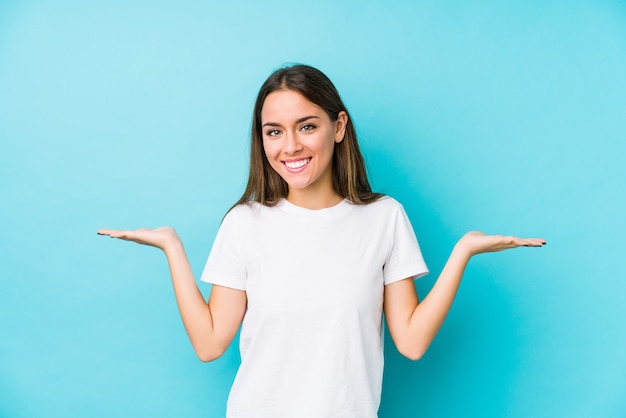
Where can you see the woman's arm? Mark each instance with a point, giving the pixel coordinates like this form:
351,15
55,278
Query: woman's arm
210,326
413,325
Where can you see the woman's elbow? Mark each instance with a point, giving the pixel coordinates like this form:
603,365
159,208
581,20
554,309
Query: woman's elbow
412,354
207,354
412,351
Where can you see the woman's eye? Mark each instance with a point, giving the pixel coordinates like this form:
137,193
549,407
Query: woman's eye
272,132
307,128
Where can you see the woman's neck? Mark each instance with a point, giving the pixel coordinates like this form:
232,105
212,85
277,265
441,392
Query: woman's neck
313,201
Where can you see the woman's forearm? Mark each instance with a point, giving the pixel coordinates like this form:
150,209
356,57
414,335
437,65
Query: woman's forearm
428,315
425,318
193,308
210,326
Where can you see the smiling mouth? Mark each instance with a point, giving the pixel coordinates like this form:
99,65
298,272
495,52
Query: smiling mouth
296,165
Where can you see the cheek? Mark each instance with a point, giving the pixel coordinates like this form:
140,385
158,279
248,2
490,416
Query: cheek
270,151
329,146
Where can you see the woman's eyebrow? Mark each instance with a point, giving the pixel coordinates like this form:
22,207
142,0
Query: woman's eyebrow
307,118
300,120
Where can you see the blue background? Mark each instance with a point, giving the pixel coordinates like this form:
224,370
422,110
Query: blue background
498,116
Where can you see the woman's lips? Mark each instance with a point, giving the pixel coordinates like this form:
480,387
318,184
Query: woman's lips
295,166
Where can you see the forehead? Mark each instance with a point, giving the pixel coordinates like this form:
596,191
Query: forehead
287,105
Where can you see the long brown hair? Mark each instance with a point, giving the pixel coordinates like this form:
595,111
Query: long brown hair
349,176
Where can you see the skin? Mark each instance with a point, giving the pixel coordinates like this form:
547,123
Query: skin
294,131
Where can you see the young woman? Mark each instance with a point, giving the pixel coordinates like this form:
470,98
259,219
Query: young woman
307,261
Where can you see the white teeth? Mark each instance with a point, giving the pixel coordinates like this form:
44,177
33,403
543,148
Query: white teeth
297,164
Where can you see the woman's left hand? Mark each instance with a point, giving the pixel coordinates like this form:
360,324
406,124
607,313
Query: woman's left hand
477,242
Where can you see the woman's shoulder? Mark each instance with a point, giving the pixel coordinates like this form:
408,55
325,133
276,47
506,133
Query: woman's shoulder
242,209
385,203
248,210
383,208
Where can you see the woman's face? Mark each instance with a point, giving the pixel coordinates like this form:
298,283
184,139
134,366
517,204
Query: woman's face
299,140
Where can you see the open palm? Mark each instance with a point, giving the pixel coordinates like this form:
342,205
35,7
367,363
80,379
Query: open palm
477,242
158,237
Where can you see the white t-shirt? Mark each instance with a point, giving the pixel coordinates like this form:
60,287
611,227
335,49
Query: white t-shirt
311,340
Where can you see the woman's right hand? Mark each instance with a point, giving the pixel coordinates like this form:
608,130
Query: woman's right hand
211,327
160,237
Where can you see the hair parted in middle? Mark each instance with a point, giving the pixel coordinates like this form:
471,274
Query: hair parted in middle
349,176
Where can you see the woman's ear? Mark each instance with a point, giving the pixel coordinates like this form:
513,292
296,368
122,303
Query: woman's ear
340,126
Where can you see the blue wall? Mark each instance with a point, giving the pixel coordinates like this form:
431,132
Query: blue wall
489,115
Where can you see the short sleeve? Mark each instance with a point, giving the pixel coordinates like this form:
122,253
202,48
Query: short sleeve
225,265
405,257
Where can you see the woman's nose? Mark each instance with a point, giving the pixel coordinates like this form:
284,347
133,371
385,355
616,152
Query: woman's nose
292,143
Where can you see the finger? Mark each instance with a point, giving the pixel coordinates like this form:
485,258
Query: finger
510,241
536,242
514,242
531,242
121,234
519,242
126,235
104,231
